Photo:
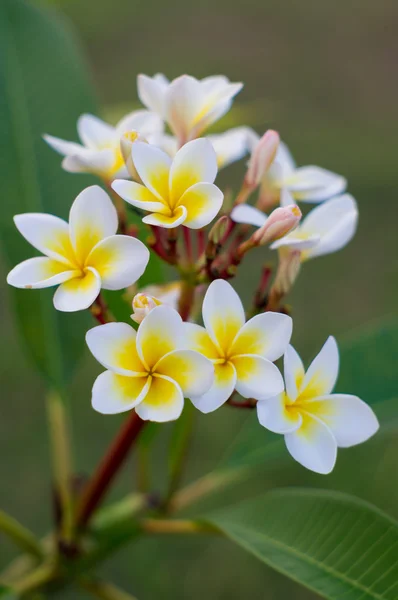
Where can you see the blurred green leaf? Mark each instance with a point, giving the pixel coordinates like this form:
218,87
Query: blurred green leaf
6,593
43,88
334,544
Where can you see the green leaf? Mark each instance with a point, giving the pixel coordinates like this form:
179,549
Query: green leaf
43,88
335,544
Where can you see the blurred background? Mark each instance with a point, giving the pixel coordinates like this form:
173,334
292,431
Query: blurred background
324,75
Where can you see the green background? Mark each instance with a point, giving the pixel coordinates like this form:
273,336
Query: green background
324,75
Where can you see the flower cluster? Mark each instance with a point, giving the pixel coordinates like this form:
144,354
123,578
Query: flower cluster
160,161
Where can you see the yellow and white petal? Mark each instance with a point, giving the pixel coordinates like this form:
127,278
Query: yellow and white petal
183,103
217,101
92,218
195,162
349,418
257,377
161,220
95,133
322,373
167,143
138,195
193,372
153,167
274,415
99,162
151,92
232,145
297,241
163,402
39,272
62,146
113,394
313,445
248,215
114,346
285,161
314,184
266,335
78,293
221,390
203,202
48,234
145,122
223,314
159,333
120,261
293,371
198,339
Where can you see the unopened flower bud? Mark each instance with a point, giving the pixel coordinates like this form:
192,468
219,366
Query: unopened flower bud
126,144
280,222
142,305
219,229
288,270
262,158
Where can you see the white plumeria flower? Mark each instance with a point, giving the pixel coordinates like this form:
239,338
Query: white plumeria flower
188,105
81,257
142,306
168,293
174,191
305,184
149,370
100,151
242,353
314,421
327,228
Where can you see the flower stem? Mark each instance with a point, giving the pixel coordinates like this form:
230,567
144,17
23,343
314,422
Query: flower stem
100,311
186,300
186,232
176,526
21,536
35,580
108,467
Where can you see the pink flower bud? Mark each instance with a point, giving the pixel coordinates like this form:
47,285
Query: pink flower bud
262,158
281,221
142,305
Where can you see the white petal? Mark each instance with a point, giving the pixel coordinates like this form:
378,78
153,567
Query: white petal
313,446
98,162
294,241
195,162
266,335
163,402
192,371
257,377
113,394
78,293
231,145
217,101
95,133
248,215
203,202
286,198
350,419
114,346
321,376
92,218
48,234
293,371
167,143
314,184
159,333
153,166
273,415
223,313
137,195
221,390
39,272
161,220
183,103
285,160
62,146
120,261
145,122
151,92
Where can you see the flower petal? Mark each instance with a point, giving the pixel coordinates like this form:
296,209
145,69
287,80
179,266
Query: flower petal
321,376
223,314
145,122
113,394
138,195
221,390
350,419
314,184
159,333
232,145
163,402
217,101
248,215
195,162
257,377
267,335
62,146
48,234
95,133
198,339
114,346
78,293
295,241
273,414
151,91
293,371
313,445
92,218
39,272
153,166
160,220
98,162
120,261
182,105
193,372
203,202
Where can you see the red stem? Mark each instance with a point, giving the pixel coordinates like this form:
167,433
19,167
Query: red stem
250,403
201,241
188,243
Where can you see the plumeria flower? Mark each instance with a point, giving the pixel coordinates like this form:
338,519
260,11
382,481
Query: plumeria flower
81,257
314,421
142,305
188,105
306,184
174,191
242,353
168,293
149,370
100,151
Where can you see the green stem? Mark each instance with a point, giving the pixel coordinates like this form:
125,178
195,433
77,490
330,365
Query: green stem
104,590
21,536
35,580
180,526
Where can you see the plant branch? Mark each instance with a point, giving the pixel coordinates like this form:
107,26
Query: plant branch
167,526
21,536
35,580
